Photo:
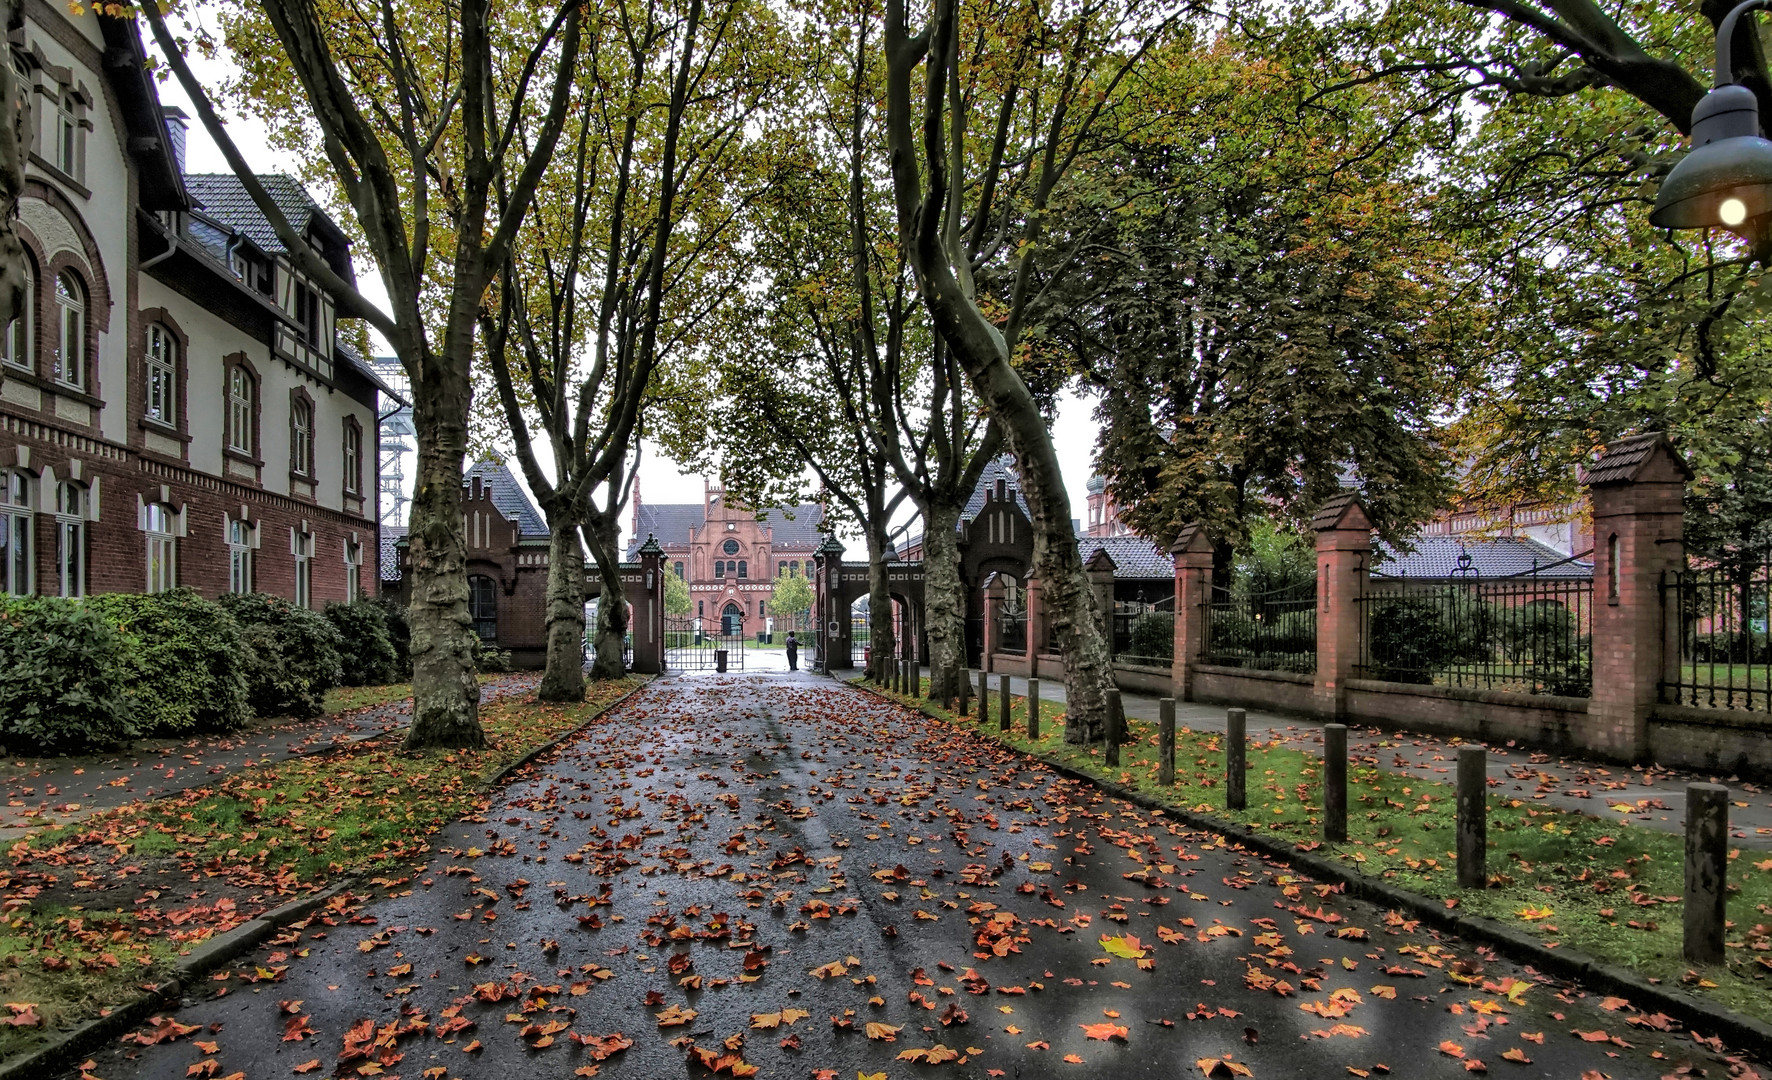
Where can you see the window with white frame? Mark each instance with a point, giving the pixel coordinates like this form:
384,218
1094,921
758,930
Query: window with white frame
240,391
70,344
67,135
301,436
17,342
301,545
70,537
240,537
353,571
17,523
353,457
162,375
160,523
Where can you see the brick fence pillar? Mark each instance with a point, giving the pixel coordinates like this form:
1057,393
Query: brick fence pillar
647,626
1100,571
1192,552
993,631
1638,489
1344,553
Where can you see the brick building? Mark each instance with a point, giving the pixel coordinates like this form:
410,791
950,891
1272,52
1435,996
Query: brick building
728,554
175,405
507,563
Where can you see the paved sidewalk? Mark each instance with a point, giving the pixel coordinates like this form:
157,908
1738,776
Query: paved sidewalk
42,792
1656,796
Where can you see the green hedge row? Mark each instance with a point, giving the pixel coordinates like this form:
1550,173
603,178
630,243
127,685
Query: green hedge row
76,674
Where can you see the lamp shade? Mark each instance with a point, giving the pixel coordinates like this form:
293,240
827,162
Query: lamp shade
1727,177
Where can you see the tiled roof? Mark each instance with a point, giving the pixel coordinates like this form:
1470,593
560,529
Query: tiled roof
223,197
673,522
389,556
1002,468
1624,458
1135,558
1438,558
508,497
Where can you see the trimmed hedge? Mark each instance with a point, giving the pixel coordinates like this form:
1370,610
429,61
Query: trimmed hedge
291,654
63,676
366,650
184,670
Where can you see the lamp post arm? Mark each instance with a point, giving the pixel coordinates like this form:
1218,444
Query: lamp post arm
1725,75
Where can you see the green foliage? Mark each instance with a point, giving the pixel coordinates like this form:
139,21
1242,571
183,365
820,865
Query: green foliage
366,650
184,671
399,632
792,595
1409,637
676,595
1152,635
489,659
63,677
291,654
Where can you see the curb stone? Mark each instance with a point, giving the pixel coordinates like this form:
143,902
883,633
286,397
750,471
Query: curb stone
1698,1015
65,1049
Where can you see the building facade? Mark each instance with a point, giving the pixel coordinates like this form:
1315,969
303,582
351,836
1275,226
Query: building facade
729,555
176,407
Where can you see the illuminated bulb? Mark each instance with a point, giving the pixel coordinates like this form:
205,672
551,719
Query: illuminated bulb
1733,211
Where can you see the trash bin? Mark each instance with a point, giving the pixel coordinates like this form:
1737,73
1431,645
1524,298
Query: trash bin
720,660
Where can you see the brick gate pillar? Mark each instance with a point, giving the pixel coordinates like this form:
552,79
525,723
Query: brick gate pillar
649,612
1344,554
993,632
1638,489
830,632
1192,552
1100,570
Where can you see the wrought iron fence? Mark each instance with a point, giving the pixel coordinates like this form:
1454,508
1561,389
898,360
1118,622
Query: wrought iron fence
1144,633
1716,623
1267,631
1012,624
1528,633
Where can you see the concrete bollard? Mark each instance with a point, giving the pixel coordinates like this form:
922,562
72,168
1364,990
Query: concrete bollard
984,696
1004,701
720,660
1707,866
1111,735
1236,750
1166,741
1335,782
1033,708
1473,817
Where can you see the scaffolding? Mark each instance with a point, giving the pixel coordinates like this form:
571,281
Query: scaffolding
394,443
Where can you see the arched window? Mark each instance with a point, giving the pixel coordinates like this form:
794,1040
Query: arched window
731,619
678,567
719,567
70,538
743,569
483,606
18,341
353,457
160,523
70,346
301,435
161,369
240,391
17,523
240,537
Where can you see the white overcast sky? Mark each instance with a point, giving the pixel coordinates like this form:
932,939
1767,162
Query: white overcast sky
661,479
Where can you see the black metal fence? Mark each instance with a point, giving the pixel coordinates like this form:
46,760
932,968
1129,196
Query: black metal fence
1012,625
1717,633
1144,634
690,643
1266,631
1527,633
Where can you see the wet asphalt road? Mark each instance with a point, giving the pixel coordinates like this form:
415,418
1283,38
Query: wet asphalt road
760,832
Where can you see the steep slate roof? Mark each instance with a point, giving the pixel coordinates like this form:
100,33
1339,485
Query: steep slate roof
1437,558
389,556
1623,458
1135,558
224,198
1003,467
673,522
508,497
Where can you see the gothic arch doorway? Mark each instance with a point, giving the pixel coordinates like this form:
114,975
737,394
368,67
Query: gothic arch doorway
731,619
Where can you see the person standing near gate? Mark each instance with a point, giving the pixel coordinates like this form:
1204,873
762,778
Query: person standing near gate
793,645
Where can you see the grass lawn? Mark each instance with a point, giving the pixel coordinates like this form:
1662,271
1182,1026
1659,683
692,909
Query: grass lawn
95,908
1602,885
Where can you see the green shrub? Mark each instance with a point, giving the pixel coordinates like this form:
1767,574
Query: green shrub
184,672
62,677
291,654
399,633
1152,635
490,659
366,652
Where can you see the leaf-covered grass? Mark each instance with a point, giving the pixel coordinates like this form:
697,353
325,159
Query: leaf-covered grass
1606,886
95,908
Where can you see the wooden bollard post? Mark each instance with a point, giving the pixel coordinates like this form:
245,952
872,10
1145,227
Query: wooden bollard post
913,679
965,692
1112,734
1004,701
1707,865
1236,749
1033,708
984,696
1166,741
1335,782
1473,817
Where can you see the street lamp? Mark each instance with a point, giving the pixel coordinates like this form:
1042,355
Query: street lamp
1726,179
